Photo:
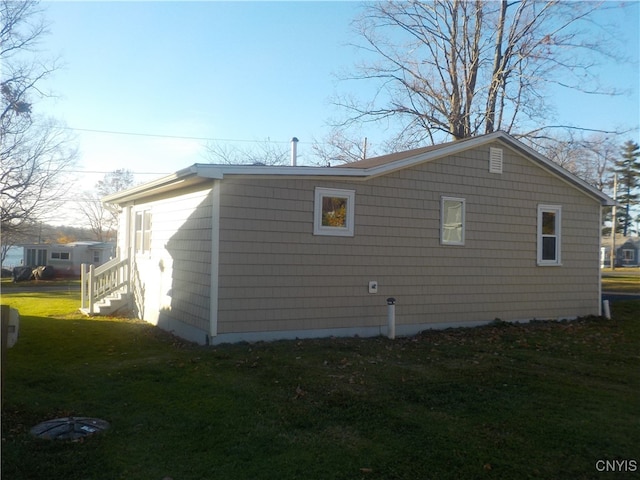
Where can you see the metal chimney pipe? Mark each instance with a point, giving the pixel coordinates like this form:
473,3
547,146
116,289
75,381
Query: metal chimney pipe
294,151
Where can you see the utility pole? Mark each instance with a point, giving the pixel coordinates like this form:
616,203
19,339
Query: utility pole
612,254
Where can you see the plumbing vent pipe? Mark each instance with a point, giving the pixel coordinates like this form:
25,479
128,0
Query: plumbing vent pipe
391,318
294,151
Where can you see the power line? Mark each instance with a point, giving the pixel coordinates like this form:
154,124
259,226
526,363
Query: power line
180,137
112,171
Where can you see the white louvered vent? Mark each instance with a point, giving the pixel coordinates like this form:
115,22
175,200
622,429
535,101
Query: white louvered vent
495,160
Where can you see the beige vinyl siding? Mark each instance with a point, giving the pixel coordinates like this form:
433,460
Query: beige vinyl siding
276,275
177,270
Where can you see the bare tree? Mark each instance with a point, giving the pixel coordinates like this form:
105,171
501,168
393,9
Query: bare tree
339,148
590,157
34,153
456,68
32,174
102,218
262,153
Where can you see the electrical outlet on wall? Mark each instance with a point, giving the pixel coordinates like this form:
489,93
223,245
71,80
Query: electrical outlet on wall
373,286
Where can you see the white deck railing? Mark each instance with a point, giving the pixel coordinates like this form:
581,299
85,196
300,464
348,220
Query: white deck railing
100,282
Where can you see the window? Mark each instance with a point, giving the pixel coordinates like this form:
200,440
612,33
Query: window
549,221
60,256
143,231
36,256
334,212
628,255
452,221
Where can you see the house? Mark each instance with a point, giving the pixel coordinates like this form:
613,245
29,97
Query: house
66,258
627,251
459,234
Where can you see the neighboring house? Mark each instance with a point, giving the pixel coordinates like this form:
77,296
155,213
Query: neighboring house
66,258
459,234
627,252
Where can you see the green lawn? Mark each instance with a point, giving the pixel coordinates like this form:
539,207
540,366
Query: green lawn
542,400
621,280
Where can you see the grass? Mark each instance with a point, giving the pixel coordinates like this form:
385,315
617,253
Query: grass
621,280
542,400
8,284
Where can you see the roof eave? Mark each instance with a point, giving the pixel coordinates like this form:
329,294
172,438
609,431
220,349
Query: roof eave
567,176
201,172
160,185
510,142
220,171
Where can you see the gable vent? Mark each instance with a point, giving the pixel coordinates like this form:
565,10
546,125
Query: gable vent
495,160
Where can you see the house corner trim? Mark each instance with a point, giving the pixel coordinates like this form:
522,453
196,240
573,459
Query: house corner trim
215,257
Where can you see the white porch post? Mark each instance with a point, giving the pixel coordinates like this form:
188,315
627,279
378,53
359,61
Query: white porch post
90,288
83,285
124,235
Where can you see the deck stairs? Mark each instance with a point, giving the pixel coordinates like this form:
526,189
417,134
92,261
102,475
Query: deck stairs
115,302
105,289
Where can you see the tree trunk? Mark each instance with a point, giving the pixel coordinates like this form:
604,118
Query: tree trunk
497,75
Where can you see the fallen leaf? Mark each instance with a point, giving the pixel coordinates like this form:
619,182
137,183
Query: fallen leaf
299,393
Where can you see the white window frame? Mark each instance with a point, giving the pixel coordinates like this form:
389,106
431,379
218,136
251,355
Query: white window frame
557,211
318,228
444,240
58,255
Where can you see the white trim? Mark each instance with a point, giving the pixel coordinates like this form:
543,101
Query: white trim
215,260
125,251
407,330
201,172
220,171
600,266
633,254
557,210
318,227
462,201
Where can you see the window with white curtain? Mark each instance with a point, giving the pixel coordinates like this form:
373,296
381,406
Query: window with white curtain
452,218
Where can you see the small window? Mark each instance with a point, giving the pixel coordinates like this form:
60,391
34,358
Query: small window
452,213
549,234
628,255
60,256
334,212
143,231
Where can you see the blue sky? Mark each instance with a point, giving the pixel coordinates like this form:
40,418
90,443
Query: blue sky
231,71
240,71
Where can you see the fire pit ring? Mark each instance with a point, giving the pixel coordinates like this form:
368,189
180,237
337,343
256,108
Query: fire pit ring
69,428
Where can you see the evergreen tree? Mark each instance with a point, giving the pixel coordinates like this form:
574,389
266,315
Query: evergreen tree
628,170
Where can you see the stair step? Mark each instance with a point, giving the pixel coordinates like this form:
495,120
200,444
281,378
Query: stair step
109,305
